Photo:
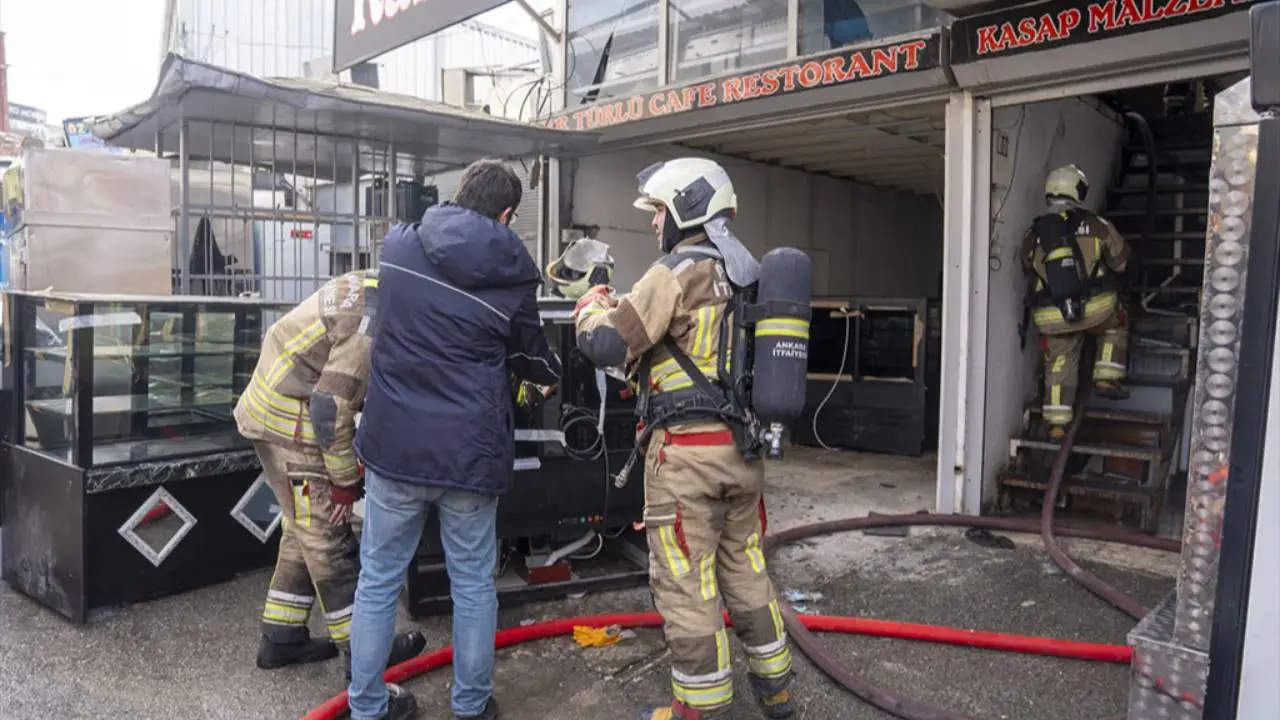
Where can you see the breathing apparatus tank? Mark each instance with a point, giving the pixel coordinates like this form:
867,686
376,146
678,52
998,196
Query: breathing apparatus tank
780,356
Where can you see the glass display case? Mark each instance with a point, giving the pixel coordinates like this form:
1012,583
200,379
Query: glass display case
123,445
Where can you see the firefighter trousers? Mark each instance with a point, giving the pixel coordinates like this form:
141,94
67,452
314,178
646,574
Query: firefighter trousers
1062,363
317,559
703,519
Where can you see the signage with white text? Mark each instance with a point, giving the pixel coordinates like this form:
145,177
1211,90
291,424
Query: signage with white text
365,29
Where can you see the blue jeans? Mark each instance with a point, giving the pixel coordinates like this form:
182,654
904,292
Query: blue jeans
394,515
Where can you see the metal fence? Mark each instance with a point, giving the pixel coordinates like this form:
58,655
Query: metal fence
283,213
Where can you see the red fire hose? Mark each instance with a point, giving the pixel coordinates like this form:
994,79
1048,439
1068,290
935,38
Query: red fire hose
800,626
336,706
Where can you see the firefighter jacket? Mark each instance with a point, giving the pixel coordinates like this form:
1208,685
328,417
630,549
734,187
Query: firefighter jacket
313,372
1099,242
685,295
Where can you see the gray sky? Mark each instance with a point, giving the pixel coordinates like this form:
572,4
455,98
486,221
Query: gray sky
81,57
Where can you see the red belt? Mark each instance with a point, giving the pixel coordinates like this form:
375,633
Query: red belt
704,439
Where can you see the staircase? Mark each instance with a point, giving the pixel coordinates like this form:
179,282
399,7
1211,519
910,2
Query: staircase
1128,450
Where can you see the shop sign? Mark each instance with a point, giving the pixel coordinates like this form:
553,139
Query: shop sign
365,29
840,67
1058,23
26,114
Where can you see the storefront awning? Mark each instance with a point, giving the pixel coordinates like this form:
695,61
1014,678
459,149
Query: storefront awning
317,125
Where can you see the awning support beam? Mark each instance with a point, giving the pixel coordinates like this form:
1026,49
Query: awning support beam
543,23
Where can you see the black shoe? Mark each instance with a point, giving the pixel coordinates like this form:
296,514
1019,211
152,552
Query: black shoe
401,705
773,696
403,647
490,712
272,655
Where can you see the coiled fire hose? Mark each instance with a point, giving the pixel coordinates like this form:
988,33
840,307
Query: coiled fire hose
801,627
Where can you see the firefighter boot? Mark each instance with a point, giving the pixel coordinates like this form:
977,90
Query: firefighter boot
675,711
293,647
773,696
1057,432
403,647
1110,389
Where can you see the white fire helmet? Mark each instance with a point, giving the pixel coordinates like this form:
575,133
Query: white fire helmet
1068,182
694,190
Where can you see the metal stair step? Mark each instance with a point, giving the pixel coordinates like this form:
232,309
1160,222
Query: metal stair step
1167,262
1170,164
1134,381
1131,452
1162,190
1173,147
1162,212
1106,486
1167,290
1136,417
1173,236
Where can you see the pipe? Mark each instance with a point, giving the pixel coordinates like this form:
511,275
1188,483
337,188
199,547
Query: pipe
334,707
569,549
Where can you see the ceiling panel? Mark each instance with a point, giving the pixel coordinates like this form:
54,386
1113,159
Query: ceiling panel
902,148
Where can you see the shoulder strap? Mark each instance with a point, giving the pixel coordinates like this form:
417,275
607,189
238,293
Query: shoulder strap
686,364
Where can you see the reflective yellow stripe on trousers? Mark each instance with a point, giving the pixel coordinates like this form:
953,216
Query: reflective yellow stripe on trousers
711,691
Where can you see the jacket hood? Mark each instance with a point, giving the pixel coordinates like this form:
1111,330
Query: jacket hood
473,251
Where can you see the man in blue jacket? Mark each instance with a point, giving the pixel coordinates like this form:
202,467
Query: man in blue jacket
458,312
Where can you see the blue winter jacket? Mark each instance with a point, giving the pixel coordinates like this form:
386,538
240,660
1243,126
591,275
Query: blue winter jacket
457,310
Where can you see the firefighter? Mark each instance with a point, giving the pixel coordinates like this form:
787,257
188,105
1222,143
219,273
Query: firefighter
703,500
1073,259
299,410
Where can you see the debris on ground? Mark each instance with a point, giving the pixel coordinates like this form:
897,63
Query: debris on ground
984,538
599,637
887,531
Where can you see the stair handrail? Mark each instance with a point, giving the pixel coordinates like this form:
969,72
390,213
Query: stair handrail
1149,144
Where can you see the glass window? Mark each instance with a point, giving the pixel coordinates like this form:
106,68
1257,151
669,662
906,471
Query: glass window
709,37
613,49
829,24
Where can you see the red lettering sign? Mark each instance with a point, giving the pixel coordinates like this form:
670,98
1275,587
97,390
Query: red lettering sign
837,68
1070,22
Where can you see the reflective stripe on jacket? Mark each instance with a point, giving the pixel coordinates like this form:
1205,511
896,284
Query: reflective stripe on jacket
313,372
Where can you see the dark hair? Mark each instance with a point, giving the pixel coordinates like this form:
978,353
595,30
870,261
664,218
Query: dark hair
488,187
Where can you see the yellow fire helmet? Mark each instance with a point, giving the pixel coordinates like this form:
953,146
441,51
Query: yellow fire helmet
583,265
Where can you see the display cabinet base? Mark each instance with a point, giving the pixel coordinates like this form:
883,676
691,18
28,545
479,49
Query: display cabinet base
62,544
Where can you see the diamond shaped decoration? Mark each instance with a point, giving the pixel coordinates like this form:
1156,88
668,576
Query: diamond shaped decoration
157,526
257,510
